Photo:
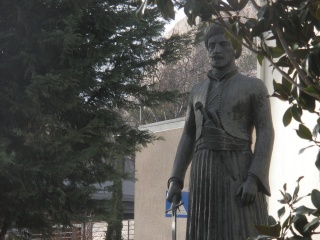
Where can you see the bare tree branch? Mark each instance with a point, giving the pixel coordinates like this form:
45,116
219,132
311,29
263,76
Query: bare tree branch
291,57
256,6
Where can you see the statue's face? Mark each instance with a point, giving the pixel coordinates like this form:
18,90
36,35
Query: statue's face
221,52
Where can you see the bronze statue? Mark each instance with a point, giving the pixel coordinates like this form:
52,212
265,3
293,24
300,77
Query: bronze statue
228,182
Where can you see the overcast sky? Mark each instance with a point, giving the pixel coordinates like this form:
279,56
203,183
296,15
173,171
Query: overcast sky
179,15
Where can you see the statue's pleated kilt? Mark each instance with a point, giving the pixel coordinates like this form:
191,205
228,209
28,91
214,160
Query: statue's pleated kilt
215,212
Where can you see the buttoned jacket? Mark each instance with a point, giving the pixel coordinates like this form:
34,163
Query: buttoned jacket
245,105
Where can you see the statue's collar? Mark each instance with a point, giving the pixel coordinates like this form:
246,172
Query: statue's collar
215,75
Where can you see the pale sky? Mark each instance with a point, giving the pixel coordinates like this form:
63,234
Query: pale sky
179,15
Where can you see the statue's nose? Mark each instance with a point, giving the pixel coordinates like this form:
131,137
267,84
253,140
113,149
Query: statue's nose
217,48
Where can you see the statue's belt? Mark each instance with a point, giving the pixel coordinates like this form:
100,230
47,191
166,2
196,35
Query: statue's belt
217,139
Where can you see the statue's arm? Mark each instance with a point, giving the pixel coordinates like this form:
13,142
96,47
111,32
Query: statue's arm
184,152
262,120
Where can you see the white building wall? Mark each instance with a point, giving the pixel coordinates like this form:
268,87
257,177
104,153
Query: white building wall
287,164
153,167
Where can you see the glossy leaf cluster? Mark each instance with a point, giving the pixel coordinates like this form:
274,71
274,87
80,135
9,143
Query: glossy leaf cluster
294,222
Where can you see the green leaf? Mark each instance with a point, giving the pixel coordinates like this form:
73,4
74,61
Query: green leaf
288,197
313,66
315,198
316,130
298,199
286,84
299,179
296,190
307,102
166,8
277,52
317,163
296,112
286,223
281,212
311,89
318,12
266,49
299,221
264,18
303,16
303,149
170,9
285,187
303,210
316,212
311,225
287,117
260,59
284,62
304,132
279,88
273,231
271,221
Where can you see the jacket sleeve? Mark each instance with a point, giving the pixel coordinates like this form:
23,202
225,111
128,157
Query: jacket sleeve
186,145
262,120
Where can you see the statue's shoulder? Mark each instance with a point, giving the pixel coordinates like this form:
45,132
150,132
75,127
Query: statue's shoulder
250,81
247,78
200,86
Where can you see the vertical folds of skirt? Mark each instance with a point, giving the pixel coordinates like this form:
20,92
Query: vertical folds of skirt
215,212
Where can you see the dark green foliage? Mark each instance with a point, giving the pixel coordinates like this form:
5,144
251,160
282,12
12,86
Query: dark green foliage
67,70
300,223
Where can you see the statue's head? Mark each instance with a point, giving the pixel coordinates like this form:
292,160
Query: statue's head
212,30
221,51
215,29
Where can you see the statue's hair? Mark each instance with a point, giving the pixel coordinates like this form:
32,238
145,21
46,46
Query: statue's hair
216,29
212,30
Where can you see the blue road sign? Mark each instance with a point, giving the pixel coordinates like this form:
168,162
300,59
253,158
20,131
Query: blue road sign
183,209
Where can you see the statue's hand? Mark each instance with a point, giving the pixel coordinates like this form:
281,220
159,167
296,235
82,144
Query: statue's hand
174,190
248,191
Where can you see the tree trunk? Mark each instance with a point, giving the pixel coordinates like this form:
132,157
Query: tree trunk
114,229
5,227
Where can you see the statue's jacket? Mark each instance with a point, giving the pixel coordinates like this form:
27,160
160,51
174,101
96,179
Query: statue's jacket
244,105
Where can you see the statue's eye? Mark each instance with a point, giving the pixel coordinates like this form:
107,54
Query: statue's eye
212,45
225,44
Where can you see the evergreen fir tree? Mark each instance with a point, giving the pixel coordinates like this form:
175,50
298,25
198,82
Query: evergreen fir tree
68,69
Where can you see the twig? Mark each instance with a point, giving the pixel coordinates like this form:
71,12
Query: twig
256,6
291,57
283,73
